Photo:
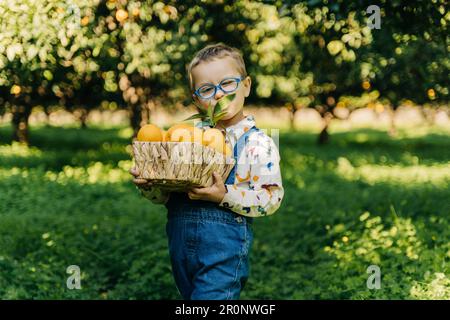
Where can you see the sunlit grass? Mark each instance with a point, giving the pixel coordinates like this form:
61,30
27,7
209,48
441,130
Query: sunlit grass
438,174
16,149
434,286
92,174
392,248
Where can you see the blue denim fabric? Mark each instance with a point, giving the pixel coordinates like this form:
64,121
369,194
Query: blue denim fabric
209,245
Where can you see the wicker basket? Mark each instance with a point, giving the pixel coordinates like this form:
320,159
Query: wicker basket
177,166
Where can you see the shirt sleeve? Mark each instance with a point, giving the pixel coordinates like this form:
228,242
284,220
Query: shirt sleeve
156,195
264,192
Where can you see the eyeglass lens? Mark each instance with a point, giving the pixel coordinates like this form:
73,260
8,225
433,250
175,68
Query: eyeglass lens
227,85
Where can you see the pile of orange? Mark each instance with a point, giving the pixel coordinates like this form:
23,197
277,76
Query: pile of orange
182,132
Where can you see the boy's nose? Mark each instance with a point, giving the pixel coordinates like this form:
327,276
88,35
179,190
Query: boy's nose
219,95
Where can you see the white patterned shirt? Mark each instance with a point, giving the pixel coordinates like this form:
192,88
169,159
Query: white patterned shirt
258,189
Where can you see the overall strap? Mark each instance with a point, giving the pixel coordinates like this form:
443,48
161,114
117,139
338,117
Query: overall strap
238,147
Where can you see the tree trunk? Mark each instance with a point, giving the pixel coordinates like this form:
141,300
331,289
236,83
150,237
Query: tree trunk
429,115
135,117
139,115
145,111
83,118
324,136
393,129
20,123
47,115
292,118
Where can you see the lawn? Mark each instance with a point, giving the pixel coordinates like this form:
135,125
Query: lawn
364,199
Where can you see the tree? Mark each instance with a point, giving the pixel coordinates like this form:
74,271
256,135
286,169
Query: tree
318,54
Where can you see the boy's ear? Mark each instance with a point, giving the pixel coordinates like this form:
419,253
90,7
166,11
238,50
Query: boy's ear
247,85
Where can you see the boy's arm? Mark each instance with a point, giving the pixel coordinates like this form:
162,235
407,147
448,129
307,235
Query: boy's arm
265,192
155,194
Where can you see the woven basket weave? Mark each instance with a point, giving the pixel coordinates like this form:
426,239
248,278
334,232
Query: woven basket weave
177,166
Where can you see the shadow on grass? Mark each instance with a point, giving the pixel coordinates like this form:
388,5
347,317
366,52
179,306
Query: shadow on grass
118,240
371,146
80,147
115,236
57,138
56,147
320,213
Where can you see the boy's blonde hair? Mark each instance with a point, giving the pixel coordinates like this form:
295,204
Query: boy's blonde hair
216,51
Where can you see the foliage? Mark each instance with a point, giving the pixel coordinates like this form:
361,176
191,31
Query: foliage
213,113
312,53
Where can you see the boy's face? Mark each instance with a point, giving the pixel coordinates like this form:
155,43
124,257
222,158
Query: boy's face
213,72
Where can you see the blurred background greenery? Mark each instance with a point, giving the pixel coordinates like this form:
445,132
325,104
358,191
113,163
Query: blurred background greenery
78,78
119,54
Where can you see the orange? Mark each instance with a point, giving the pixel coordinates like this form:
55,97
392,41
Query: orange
121,15
197,134
173,128
214,138
181,135
150,132
191,134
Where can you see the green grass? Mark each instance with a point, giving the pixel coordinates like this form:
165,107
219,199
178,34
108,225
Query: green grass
364,199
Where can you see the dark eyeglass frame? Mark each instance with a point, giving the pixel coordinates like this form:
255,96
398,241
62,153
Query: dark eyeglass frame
219,86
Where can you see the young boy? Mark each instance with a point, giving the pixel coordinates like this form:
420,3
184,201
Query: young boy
209,229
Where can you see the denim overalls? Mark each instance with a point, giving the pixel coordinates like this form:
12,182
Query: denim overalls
209,245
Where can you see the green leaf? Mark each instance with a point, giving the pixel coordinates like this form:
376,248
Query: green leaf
218,108
195,116
219,116
210,111
213,113
210,123
225,101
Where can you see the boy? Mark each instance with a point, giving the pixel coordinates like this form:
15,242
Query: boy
209,229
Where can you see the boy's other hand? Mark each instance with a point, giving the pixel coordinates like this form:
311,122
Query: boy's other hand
214,193
141,183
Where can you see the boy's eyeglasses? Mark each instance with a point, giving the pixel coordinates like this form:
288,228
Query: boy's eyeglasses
227,85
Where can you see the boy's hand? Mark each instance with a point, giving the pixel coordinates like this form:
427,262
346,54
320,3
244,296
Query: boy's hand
141,183
214,193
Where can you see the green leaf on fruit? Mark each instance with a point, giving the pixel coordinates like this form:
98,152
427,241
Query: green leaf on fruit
213,114
225,101
219,116
195,116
